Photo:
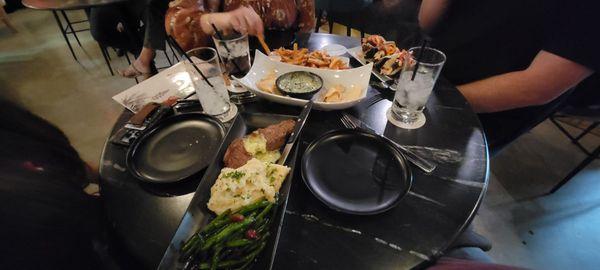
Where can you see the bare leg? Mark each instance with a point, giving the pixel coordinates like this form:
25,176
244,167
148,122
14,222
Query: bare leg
4,18
141,65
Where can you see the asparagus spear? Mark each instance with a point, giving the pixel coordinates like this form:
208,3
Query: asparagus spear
215,257
244,260
254,206
238,242
227,231
219,221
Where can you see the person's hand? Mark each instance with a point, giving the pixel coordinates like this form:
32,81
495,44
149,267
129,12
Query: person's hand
243,20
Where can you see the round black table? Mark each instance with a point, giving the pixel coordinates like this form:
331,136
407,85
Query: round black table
437,209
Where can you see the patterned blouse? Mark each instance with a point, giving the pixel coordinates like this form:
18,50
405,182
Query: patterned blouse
183,17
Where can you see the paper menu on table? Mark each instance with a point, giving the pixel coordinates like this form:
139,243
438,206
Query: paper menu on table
172,82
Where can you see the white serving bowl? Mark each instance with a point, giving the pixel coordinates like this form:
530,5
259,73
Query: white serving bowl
350,78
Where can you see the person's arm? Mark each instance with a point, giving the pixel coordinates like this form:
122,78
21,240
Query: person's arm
547,77
243,20
430,12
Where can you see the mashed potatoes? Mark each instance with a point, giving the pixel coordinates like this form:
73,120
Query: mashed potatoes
256,145
245,185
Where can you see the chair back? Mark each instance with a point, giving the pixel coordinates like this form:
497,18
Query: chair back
584,102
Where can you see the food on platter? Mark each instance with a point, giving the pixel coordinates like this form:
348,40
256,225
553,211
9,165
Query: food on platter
243,197
315,59
387,58
267,83
232,240
258,144
339,93
332,94
299,84
254,181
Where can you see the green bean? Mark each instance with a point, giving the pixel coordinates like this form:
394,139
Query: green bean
264,212
215,257
251,207
224,219
219,221
227,231
193,247
260,228
238,242
265,236
230,263
254,253
190,242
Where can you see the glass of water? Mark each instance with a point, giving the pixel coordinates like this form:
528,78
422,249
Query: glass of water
414,88
215,99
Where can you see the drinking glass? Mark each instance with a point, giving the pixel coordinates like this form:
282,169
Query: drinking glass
234,53
414,88
215,99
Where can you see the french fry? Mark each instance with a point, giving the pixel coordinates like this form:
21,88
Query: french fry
261,39
316,59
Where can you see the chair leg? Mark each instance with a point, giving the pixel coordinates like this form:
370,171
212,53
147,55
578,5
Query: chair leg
106,58
319,17
577,169
4,18
575,140
70,26
63,32
330,22
167,56
587,130
561,128
173,52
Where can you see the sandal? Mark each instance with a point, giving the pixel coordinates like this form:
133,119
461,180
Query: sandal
132,72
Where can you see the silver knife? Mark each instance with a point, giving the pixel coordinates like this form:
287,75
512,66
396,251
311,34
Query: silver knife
413,157
296,132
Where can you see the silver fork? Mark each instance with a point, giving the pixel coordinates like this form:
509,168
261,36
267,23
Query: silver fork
372,100
351,122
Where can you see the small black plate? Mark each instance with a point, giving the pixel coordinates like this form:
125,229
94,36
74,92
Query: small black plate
175,148
356,172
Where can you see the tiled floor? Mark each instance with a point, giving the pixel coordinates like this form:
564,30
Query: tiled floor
552,232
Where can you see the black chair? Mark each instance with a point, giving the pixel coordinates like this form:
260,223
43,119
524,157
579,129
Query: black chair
344,12
579,113
67,28
395,20
583,104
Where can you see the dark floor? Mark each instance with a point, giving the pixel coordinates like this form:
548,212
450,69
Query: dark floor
553,232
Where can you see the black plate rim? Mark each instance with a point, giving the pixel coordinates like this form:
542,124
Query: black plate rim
408,175
133,149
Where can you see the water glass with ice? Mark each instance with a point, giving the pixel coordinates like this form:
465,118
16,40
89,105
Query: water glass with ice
215,99
414,88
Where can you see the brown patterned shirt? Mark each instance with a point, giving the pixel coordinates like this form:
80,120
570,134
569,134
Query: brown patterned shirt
183,17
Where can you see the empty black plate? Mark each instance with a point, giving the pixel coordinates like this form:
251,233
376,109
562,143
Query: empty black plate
356,172
176,148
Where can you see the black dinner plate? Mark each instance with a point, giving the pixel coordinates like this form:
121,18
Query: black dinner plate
356,172
176,148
